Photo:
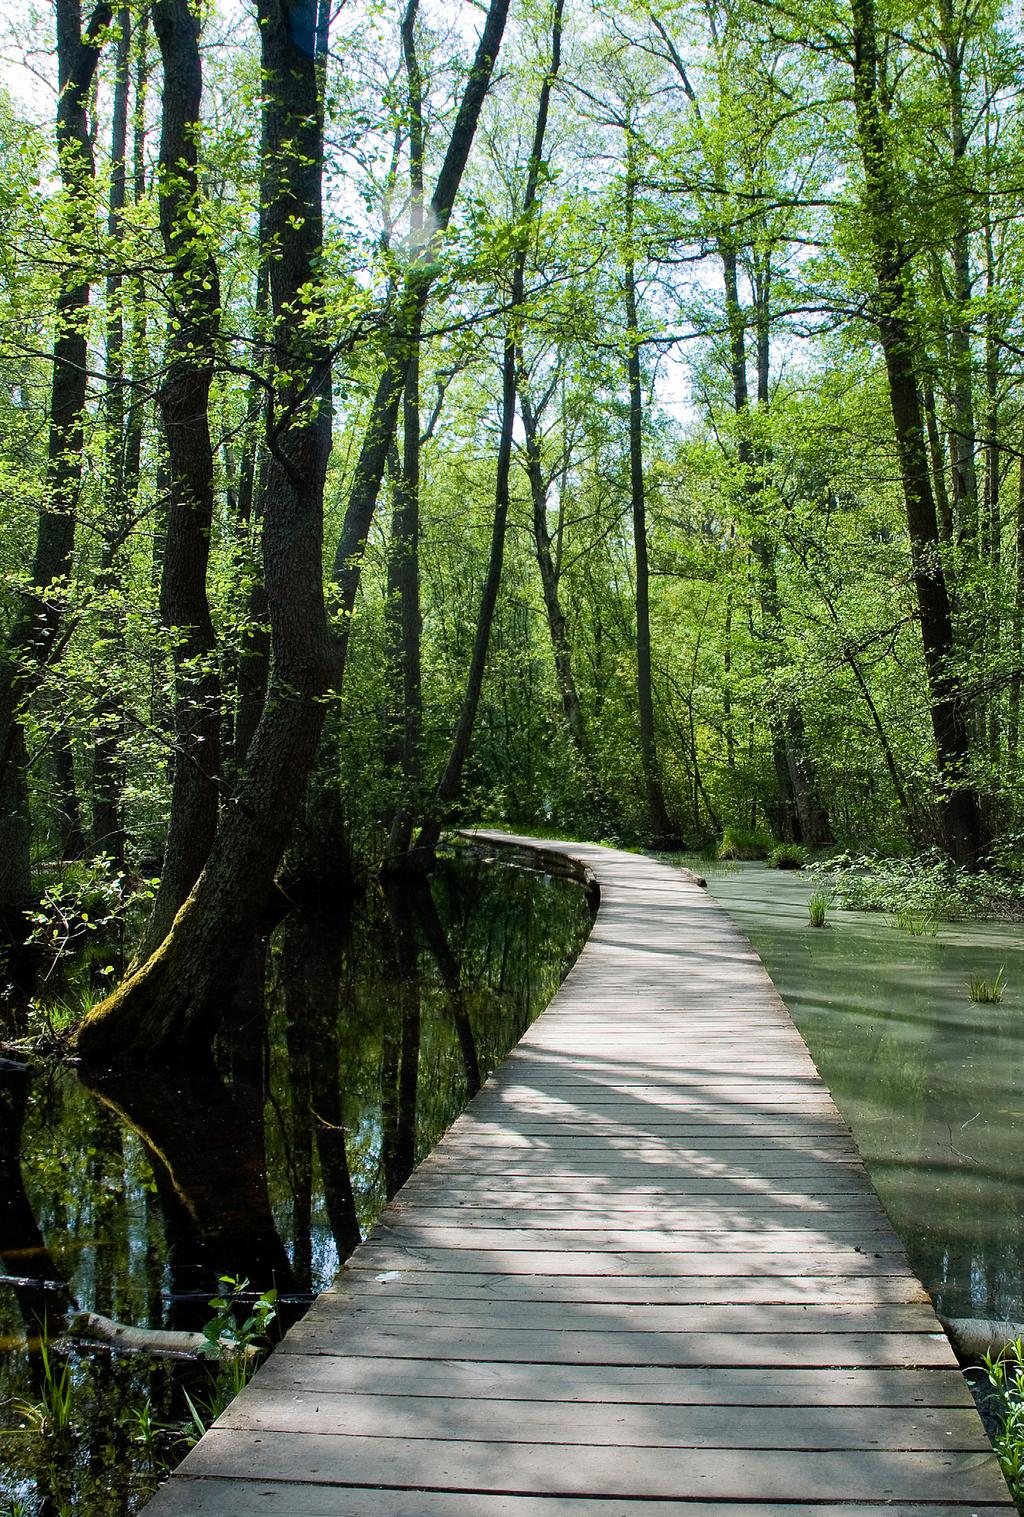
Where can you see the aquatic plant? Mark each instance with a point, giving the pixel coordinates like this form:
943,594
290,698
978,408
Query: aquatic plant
236,1345
982,990
52,1413
818,903
1005,1400
244,1338
916,920
788,856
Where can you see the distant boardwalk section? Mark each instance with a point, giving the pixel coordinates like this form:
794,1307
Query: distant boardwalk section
644,1268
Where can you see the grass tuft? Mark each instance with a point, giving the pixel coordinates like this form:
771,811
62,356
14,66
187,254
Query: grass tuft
987,991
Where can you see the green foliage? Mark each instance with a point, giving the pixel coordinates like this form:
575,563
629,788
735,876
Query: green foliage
987,991
788,856
818,903
1005,1400
926,886
744,843
236,1337
237,1328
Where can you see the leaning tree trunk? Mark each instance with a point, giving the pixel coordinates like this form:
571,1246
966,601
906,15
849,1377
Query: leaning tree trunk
183,399
959,807
462,739
402,336
40,614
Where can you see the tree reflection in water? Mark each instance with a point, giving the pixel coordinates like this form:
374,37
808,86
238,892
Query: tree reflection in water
358,1035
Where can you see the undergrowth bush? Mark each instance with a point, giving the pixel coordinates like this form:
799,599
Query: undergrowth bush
788,856
928,886
744,843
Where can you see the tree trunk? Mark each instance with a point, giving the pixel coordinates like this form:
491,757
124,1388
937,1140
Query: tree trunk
1016,638
404,618
183,400
403,335
170,1007
451,777
959,807
944,514
544,549
68,807
107,833
963,440
40,613
661,829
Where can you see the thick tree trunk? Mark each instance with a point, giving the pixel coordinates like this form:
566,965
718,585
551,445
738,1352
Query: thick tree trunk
183,400
70,832
40,614
958,801
171,1006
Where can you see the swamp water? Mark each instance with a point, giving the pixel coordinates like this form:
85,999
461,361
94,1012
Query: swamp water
931,1083
359,1038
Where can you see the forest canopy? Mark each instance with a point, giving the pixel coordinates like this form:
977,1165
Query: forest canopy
595,418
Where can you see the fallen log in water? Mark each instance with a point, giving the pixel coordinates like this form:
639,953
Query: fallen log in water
161,1343
973,1337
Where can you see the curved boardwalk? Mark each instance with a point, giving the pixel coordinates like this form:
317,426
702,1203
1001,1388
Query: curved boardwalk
643,1273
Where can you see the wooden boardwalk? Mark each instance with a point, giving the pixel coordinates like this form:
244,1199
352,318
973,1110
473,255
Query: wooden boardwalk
643,1273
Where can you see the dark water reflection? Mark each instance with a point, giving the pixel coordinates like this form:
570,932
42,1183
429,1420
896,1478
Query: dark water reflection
357,1039
931,1083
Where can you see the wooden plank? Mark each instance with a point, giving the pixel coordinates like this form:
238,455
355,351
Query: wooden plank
242,1498
406,1233
270,1410
558,1261
645,1271
414,1340
829,1319
672,1474
834,1225
752,1290
659,1385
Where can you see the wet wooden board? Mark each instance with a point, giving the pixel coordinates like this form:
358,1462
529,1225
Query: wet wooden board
644,1272
282,1498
